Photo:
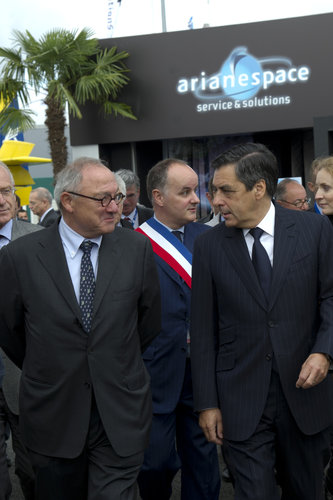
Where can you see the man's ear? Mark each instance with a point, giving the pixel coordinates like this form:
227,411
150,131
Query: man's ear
158,197
260,189
66,201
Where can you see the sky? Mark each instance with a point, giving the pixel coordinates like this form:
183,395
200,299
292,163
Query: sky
137,17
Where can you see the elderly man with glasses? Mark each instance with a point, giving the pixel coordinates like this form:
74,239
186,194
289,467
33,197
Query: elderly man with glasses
83,305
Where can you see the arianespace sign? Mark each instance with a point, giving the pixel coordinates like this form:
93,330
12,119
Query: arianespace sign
244,82
240,79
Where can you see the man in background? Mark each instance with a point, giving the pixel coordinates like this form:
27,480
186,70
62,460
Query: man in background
133,214
291,194
12,229
40,203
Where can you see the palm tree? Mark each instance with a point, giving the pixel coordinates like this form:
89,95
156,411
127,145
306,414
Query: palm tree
68,68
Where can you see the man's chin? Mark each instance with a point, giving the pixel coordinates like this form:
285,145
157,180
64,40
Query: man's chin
108,226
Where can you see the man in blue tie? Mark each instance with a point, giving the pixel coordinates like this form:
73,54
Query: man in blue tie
262,332
176,440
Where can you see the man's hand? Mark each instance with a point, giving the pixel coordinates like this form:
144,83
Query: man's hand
210,422
313,371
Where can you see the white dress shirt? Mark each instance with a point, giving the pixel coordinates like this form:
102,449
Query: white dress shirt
267,238
71,242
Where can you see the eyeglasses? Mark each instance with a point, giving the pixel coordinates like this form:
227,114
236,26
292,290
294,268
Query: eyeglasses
298,203
7,192
105,201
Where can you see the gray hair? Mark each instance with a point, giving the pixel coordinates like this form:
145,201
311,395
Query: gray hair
121,183
129,177
4,166
43,194
70,177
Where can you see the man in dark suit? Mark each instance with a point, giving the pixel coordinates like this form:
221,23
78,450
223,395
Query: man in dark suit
262,332
11,229
82,306
40,203
133,214
176,440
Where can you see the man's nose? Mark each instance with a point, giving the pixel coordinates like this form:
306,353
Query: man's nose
112,206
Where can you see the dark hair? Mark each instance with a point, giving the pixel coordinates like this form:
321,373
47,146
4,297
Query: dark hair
253,162
157,175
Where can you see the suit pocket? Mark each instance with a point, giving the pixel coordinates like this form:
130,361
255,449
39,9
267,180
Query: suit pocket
226,356
136,381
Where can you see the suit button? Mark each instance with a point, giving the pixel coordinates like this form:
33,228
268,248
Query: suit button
268,357
272,324
87,385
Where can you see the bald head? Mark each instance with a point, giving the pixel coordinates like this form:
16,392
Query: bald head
291,194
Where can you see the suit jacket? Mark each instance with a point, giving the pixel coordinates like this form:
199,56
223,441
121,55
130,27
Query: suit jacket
49,218
41,330
165,358
144,213
11,382
235,333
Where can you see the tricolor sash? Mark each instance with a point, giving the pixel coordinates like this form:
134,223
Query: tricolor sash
169,248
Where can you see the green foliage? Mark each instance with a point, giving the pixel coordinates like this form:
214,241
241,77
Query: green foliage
67,66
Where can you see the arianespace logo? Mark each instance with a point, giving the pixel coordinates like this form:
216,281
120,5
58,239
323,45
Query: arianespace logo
244,82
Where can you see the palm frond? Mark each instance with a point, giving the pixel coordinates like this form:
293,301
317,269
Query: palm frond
118,108
12,119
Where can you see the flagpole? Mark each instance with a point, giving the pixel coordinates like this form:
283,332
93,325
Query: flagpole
164,27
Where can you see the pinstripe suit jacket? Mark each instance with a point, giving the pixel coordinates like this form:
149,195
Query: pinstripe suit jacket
235,333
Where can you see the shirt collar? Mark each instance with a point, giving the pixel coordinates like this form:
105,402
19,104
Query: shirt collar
267,223
181,229
6,230
131,216
72,240
44,214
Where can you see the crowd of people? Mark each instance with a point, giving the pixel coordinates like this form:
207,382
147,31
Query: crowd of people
136,340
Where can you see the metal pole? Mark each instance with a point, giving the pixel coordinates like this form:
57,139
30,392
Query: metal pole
164,27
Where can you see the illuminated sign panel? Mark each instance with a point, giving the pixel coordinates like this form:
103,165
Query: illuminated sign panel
240,79
230,80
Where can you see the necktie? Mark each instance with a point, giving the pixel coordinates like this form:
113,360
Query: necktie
261,262
126,222
87,285
179,235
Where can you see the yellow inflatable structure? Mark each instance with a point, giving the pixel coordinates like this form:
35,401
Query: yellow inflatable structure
15,154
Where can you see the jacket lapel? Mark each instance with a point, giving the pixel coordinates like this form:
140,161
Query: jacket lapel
52,256
235,247
108,261
285,239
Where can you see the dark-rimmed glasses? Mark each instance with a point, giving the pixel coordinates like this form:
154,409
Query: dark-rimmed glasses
298,203
105,201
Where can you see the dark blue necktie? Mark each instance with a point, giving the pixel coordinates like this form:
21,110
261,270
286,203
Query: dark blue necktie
261,262
87,285
179,235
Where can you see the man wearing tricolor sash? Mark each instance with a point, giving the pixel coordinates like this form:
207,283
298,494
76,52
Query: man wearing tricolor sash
176,440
